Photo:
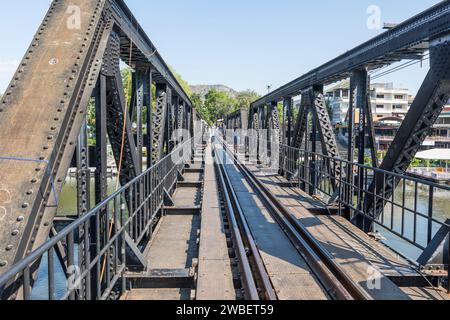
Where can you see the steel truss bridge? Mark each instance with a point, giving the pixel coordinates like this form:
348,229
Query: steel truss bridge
282,216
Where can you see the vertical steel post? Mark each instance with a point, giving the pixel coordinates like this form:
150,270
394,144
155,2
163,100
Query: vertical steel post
314,177
169,121
149,104
101,140
160,121
174,119
360,82
288,105
83,172
369,126
139,84
351,142
101,182
307,157
83,190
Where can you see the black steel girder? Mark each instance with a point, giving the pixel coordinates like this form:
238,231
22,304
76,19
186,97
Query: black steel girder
424,111
57,77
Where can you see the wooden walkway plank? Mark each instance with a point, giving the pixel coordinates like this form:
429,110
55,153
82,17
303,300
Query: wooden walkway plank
215,279
359,254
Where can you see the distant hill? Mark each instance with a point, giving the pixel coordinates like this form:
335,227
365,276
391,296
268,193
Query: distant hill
202,90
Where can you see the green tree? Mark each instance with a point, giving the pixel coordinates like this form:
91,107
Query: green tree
218,105
245,98
199,105
127,85
416,163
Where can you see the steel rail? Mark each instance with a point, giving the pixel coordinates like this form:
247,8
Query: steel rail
244,242
334,279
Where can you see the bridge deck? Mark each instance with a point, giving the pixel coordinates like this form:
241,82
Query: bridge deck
174,247
215,279
191,252
351,247
291,277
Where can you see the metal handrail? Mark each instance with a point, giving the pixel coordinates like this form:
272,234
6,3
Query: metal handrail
17,280
355,206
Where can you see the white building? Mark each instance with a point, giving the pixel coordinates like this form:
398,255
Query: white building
386,101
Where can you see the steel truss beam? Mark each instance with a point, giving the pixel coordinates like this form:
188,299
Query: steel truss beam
58,84
287,120
149,103
83,172
159,122
118,121
101,155
144,53
58,80
136,110
324,128
273,130
360,99
302,121
424,111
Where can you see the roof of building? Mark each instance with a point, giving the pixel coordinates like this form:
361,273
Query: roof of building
345,84
434,154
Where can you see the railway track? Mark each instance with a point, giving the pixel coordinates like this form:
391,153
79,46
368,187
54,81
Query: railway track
257,283
255,280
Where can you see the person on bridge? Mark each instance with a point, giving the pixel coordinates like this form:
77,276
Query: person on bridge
235,139
212,134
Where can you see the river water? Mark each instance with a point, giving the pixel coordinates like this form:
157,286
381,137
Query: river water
440,211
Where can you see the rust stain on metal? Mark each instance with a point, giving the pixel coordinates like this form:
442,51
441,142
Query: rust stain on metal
36,115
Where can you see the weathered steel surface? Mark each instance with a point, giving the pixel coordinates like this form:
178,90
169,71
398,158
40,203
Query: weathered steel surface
359,255
41,116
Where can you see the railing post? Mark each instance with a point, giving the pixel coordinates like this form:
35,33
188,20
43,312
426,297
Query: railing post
313,172
430,216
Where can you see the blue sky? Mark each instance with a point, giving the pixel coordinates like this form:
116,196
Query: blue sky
245,44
